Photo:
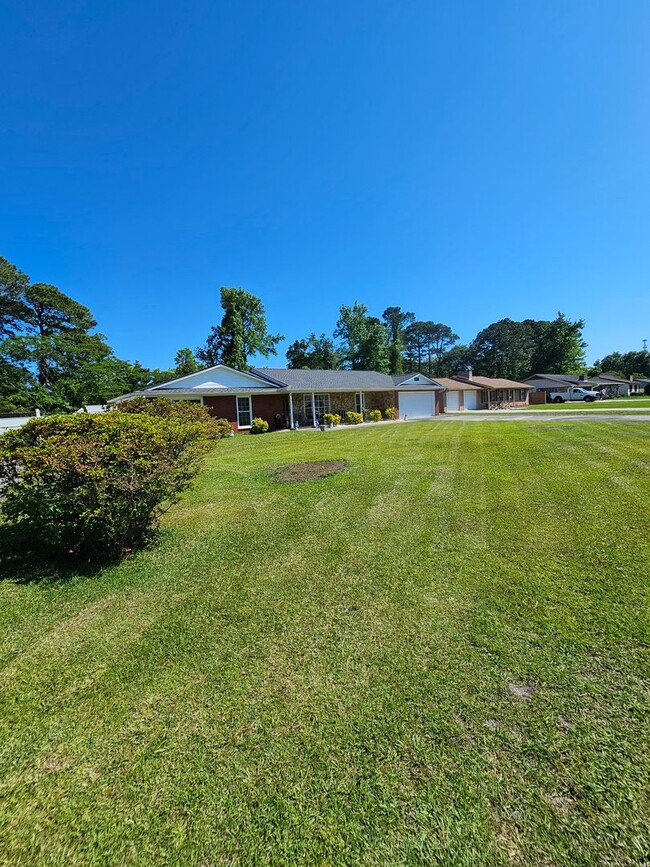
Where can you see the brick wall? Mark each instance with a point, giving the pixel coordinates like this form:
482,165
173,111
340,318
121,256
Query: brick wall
222,407
265,406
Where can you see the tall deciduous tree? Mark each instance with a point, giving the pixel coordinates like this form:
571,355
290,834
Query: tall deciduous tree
558,346
504,349
375,346
242,332
313,353
185,362
351,329
396,320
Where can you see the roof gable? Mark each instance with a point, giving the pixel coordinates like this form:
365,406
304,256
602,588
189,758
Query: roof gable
219,376
413,379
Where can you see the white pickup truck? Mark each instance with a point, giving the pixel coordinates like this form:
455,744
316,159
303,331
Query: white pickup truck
574,393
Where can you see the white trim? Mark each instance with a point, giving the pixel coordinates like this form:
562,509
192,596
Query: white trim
291,410
205,370
420,376
239,397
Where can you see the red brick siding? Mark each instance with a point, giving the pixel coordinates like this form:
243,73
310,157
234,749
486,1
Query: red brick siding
265,406
223,407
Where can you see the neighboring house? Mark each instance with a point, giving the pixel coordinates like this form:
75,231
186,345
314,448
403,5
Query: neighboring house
460,396
286,398
552,381
610,383
639,385
494,390
10,420
92,408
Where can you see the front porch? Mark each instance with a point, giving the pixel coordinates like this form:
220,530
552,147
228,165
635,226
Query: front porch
306,409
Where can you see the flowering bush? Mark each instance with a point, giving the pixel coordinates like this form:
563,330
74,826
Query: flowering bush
353,417
259,426
375,415
332,418
390,413
94,485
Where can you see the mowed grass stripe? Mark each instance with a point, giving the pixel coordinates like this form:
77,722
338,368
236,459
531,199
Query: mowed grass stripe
320,672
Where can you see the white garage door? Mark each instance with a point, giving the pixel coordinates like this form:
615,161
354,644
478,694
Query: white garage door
452,401
416,404
471,399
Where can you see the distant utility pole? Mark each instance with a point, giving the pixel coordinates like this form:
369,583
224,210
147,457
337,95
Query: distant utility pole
645,345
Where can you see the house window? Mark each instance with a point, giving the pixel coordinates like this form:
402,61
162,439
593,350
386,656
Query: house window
358,402
321,405
511,394
244,412
522,394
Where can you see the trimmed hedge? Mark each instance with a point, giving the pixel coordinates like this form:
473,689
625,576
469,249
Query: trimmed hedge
93,486
353,417
161,407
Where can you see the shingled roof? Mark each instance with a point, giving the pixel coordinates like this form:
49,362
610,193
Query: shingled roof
489,383
322,380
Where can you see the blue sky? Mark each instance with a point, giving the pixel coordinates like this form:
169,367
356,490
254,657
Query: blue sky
464,160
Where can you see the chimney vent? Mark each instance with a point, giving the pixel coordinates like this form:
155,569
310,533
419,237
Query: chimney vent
465,374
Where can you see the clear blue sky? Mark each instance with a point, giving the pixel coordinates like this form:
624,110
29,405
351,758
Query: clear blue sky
464,160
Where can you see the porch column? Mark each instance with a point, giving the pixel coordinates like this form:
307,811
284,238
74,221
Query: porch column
313,408
290,410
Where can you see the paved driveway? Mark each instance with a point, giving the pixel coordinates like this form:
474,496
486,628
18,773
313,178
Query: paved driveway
513,415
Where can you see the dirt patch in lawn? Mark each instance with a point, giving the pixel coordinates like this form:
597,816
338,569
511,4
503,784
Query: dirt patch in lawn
309,470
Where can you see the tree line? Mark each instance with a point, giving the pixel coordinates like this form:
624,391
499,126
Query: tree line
397,342
52,357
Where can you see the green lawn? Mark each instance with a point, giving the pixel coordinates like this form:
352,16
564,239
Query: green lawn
331,672
614,403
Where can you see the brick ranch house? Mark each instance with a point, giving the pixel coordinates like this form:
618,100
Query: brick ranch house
299,398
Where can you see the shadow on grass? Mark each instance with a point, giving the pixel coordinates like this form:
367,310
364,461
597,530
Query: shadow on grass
24,560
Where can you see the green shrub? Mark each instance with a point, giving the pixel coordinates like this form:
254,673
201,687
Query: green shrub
259,426
94,485
332,418
390,413
375,415
353,417
162,407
